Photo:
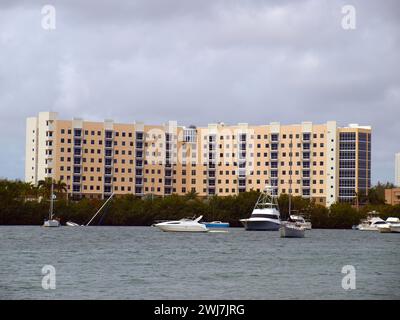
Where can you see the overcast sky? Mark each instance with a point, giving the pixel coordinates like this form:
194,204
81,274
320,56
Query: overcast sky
199,62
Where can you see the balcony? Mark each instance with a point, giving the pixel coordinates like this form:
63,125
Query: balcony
139,155
139,164
168,173
108,145
109,135
139,136
306,137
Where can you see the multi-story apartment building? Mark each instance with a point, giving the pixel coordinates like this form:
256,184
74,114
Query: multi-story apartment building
94,159
392,196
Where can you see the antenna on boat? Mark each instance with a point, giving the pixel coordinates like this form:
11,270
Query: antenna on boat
51,200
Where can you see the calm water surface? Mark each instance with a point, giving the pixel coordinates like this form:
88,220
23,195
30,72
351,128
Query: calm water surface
145,263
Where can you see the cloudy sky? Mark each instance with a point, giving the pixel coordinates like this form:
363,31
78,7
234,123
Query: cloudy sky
199,62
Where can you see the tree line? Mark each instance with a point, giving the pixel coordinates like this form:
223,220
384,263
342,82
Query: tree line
25,204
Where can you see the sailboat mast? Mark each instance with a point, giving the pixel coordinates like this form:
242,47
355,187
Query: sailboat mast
51,200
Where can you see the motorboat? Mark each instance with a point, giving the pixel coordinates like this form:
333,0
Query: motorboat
372,222
371,225
265,215
394,224
216,224
51,222
301,221
291,229
183,225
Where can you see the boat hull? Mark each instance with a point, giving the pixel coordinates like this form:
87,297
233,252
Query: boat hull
361,228
385,229
51,223
172,228
260,225
291,232
395,229
216,225
72,224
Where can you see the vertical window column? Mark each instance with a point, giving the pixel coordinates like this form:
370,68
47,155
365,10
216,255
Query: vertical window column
139,155
77,163
108,162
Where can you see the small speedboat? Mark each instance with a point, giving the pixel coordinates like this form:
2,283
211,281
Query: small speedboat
183,225
216,224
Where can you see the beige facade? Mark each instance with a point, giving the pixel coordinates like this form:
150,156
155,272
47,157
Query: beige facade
392,196
325,162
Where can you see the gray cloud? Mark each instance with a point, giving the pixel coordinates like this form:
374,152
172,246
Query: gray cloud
200,62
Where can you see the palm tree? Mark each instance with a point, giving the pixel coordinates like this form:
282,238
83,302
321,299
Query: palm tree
27,190
192,195
60,187
44,187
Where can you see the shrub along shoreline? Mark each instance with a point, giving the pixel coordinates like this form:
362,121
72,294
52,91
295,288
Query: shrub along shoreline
19,206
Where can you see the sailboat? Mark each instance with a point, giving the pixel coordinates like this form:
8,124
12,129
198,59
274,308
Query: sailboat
291,228
51,222
73,224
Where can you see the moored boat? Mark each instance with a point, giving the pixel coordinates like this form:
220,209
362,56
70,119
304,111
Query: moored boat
394,224
51,222
216,224
183,225
265,215
290,229
295,225
371,223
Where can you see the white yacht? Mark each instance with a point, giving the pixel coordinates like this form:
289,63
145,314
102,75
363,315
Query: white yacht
183,225
51,222
265,215
301,221
394,224
372,223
